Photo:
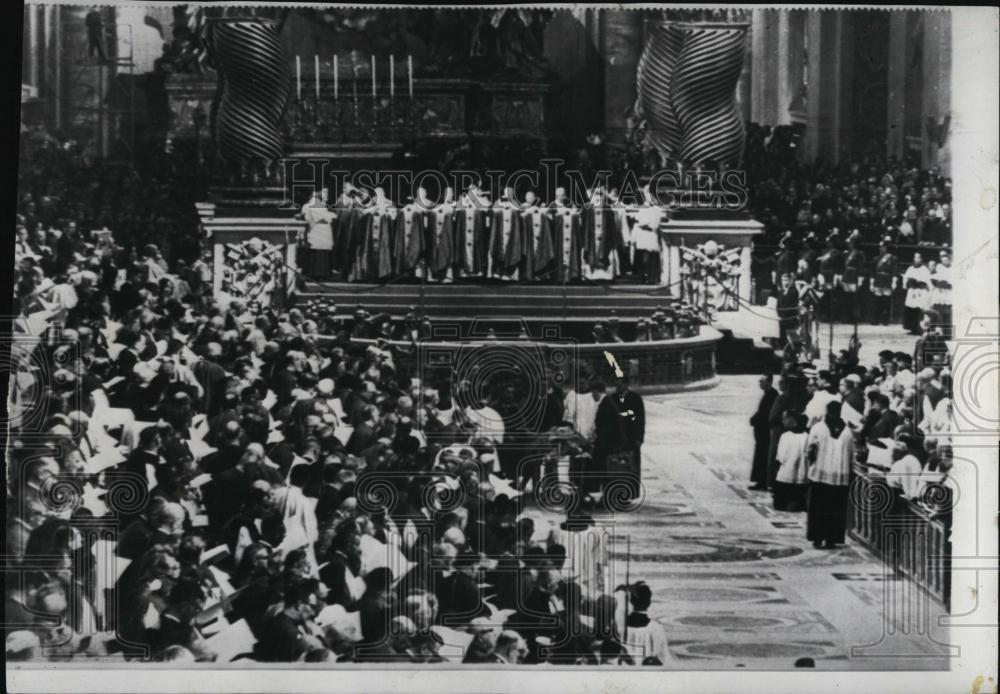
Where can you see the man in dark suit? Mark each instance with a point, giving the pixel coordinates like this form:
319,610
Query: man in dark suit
762,433
212,378
458,594
292,632
364,434
788,307
620,426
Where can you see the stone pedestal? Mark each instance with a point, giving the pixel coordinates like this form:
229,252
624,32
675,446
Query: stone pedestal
261,245
727,233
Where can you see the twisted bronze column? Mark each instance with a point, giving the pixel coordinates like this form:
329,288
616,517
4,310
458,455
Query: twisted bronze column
254,88
687,80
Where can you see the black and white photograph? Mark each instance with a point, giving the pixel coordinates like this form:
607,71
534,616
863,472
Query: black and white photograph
510,347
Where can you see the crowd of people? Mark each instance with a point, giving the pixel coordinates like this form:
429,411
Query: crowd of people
875,234
147,202
192,481
366,237
195,478
814,428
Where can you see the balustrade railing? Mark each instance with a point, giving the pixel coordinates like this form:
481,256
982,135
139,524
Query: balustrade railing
354,119
913,540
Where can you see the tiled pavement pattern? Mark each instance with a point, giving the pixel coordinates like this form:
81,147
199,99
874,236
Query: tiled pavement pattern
735,583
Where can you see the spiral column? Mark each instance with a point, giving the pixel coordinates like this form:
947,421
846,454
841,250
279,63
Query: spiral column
254,88
687,79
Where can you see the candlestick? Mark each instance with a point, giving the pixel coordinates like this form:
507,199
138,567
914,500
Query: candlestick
316,65
298,77
409,67
392,76
373,78
336,77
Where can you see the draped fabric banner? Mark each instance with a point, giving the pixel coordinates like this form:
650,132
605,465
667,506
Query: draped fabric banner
254,88
687,80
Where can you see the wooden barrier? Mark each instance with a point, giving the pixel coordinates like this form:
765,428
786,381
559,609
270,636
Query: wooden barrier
913,542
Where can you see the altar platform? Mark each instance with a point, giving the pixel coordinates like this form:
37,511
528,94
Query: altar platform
570,310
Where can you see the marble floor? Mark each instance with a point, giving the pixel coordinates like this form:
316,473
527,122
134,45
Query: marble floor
735,583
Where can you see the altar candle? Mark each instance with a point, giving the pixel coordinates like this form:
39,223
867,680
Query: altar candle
336,77
373,77
298,77
316,63
392,76
409,67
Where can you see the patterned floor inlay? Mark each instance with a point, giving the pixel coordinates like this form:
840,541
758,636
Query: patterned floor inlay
692,549
797,622
746,594
711,650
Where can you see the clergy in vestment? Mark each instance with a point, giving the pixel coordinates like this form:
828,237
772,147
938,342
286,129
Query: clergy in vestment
538,253
917,280
471,239
506,238
319,236
830,451
410,223
442,253
376,251
600,239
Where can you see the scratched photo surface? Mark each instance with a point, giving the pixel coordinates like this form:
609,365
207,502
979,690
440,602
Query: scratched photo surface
537,339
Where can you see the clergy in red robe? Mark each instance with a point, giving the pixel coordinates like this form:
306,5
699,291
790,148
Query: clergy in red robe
505,238
346,232
441,254
471,241
410,223
538,253
376,256
567,241
600,234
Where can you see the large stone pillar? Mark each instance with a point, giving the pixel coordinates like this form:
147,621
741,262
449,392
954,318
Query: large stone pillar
896,107
33,73
795,64
621,44
829,34
54,59
936,88
765,89
814,111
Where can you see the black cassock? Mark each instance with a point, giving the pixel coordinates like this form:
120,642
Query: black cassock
762,436
620,428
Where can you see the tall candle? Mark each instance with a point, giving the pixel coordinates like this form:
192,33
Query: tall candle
298,77
316,64
392,76
373,77
409,68
336,77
